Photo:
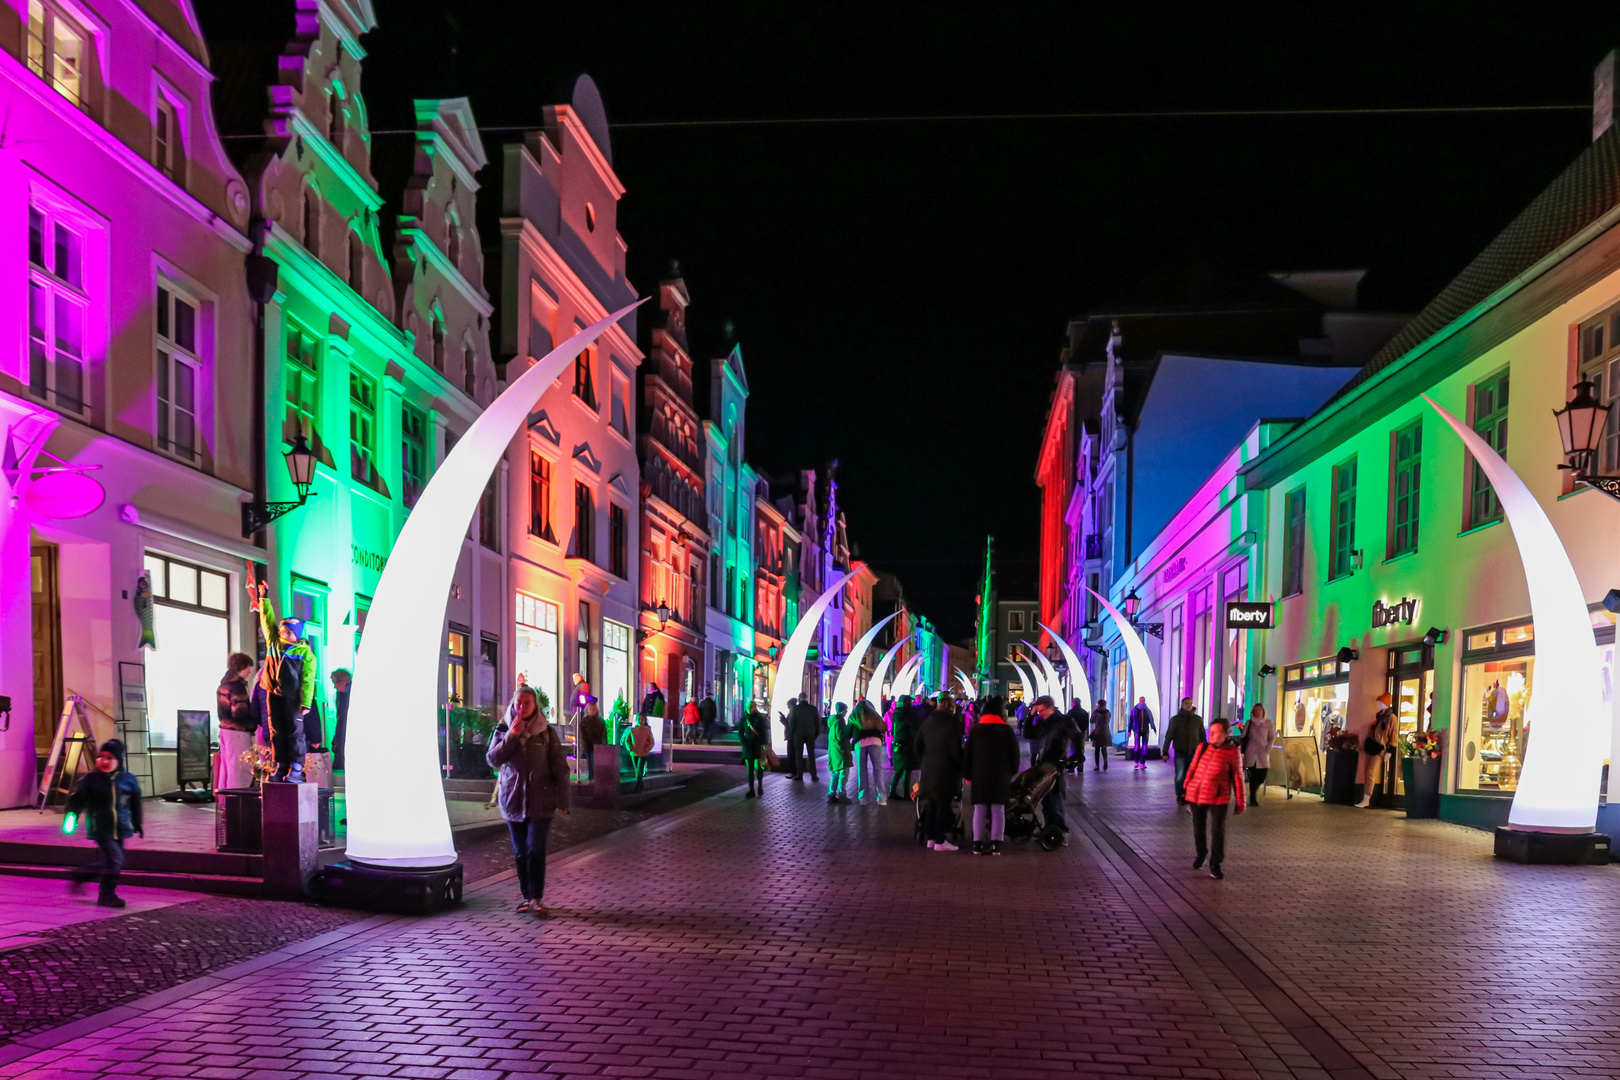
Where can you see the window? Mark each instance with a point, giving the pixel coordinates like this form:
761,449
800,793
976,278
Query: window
1600,362
714,580
362,427
1341,559
57,305
301,382
582,638
618,541
489,667
362,608
1015,622
177,373
469,371
1404,476
413,453
620,417
1490,423
489,516
455,667
312,222
585,376
452,226
181,584
357,262
57,51
1293,579
166,145
540,497
438,342
584,522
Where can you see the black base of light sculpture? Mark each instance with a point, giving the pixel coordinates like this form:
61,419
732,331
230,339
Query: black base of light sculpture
1548,848
395,892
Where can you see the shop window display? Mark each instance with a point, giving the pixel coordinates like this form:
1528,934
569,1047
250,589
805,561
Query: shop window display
1316,697
1495,693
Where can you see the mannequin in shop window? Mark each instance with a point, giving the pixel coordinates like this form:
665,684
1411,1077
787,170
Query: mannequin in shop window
1378,750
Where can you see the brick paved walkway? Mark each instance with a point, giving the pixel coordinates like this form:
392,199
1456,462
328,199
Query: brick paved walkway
786,937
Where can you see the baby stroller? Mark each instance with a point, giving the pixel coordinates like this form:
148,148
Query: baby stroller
1023,818
954,834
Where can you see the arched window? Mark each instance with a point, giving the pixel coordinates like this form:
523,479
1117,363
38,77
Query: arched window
438,342
453,245
357,262
469,370
312,222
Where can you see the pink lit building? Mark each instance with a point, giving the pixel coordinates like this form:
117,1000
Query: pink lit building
122,247
575,481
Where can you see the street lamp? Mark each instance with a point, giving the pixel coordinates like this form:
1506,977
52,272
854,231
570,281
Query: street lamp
1580,428
662,611
1131,605
301,468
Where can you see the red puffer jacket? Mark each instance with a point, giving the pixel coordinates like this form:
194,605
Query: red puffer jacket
1215,774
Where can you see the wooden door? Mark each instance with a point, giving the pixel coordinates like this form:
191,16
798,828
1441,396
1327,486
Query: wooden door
47,630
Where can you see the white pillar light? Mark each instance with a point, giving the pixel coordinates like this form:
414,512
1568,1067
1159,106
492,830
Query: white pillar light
906,676
844,687
967,683
1562,769
1147,684
1077,671
874,689
397,816
790,665
1032,689
1052,687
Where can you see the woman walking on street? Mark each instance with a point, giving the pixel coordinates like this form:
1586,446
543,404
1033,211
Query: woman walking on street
869,750
939,751
533,785
990,761
1214,780
1102,737
1257,740
752,737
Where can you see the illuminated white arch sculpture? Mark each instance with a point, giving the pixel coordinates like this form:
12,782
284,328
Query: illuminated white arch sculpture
1032,689
1076,670
906,677
790,666
1049,675
881,672
844,687
967,683
397,815
1147,683
1562,770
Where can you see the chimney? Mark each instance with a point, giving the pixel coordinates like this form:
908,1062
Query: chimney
1603,96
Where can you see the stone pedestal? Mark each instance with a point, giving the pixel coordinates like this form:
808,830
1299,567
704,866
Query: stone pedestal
605,787
291,838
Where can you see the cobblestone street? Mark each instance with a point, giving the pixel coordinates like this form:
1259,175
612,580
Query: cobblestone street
787,937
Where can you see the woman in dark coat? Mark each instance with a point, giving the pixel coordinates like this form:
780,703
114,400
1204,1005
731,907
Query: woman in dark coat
902,735
533,785
990,762
751,736
1102,737
939,750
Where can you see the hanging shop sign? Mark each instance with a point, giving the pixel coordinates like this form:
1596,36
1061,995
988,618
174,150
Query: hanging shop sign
64,495
1402,611
1248,615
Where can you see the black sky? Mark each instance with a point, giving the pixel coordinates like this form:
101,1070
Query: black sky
900,290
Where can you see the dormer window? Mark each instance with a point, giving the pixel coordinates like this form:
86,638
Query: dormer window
57,50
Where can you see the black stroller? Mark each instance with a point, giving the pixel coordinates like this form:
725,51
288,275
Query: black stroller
1024,821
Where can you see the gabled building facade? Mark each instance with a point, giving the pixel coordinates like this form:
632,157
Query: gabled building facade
731,489
574,476
132,330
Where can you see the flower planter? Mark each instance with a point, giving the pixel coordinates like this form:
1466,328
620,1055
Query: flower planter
1339,783
1422,778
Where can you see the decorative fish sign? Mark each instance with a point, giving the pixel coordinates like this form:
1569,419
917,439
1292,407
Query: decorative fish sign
143,609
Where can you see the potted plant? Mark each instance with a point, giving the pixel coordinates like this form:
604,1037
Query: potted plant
470,730
1420,772
1339,773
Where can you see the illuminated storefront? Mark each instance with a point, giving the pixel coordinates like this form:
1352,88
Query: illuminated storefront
1316,697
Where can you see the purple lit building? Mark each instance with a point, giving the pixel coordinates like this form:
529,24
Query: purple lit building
124,235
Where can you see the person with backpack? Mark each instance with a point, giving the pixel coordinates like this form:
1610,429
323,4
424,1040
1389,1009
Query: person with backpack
109,799
1214,781
1141,726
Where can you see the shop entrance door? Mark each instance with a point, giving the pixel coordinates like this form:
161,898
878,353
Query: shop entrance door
1411,688
47,630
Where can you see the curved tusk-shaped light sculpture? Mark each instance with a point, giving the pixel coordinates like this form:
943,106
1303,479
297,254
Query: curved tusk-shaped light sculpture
1032,689
1562,769
967,683
397,815
844,687
1076,671
790,667
906,677
1147,683
1048,673
881,672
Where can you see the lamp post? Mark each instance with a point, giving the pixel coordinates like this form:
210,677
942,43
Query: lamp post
301,468
1131,606
1581,424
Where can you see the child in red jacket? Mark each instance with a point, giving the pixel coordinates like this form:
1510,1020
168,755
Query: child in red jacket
1214,779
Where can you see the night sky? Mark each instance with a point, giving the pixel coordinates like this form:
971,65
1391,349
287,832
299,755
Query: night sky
900,290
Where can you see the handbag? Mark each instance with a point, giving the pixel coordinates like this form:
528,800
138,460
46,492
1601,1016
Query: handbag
1372,746
772,761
